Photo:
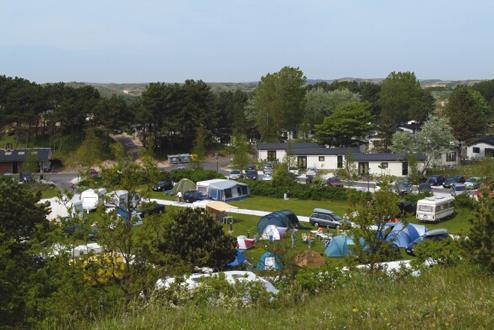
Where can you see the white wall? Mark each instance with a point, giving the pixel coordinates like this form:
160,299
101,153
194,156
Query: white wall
482,146
394,168
330,162
262,155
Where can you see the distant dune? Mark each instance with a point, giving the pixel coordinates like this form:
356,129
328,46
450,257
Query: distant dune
135,89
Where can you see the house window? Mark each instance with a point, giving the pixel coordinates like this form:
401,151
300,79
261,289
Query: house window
476,150
321,158
451,156
384,165
271,155
404,168
339,162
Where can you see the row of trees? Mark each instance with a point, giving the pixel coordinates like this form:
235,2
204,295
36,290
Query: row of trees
167,116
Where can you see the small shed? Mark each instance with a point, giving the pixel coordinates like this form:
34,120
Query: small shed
223,189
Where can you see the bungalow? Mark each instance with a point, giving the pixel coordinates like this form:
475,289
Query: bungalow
312,155
11,160
481,148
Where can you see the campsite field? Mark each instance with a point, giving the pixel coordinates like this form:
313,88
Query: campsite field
459,224
458,297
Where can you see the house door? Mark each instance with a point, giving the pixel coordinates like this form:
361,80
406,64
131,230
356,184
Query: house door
15,167
363,168
302,162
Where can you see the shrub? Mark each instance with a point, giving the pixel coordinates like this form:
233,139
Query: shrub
196,174
301,191
465,201
444,251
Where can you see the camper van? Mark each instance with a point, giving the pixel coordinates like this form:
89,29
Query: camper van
435,208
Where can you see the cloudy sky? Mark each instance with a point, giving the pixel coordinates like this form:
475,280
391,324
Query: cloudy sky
240,40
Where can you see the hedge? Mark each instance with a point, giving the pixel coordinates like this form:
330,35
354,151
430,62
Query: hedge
300,191
195,175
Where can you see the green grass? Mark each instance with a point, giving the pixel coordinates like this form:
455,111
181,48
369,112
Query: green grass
451,298
298,206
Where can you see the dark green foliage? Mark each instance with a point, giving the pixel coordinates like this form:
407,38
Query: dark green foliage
281,175
301,191
22,227
199,150
480,242
465,201
467,112
197,174
401,99
278,100
195,237
445,252
347,126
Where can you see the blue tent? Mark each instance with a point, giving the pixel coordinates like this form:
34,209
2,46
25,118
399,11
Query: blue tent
239,259
283,218
269,261
339,246
403,236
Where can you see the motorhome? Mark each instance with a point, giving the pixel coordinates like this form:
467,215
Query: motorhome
435,208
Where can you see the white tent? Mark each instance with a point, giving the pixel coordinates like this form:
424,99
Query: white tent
276,233
58,208
92,198
245,243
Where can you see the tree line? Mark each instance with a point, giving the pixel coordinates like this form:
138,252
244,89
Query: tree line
167,116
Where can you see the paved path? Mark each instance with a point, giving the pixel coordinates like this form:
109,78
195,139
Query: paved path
202,204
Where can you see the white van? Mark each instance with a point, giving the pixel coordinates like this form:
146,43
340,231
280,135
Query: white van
435,208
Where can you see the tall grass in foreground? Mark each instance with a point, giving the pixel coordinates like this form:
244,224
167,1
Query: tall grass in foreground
460,297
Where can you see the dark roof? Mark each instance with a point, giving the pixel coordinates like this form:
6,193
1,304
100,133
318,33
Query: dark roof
19,155
306,149
383,157
485,139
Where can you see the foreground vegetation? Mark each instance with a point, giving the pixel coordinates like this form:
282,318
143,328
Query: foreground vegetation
459,297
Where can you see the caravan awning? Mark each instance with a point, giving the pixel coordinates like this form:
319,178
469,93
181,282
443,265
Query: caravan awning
219,206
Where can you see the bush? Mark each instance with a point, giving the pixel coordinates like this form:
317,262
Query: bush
445,251
196,174
465,201
301,191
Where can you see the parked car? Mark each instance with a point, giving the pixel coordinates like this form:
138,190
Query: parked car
251,174
473,182
325,218
251,167
193,196
458,189
151,209
293,170
407,207
403,187
424,187
435,180
267,177
268,168
234,175
163,185
452,180
334,182
312,172
433,234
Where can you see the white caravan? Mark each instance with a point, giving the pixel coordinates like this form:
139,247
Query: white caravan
435,208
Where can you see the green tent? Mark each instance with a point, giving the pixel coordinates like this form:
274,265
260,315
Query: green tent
183,186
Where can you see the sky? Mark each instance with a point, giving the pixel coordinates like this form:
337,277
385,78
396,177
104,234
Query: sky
241,40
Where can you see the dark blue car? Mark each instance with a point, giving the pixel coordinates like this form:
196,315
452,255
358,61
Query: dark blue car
251,174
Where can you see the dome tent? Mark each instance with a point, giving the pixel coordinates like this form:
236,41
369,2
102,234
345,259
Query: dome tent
269,261
183,186
402,236
339,246
274,233
283,218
